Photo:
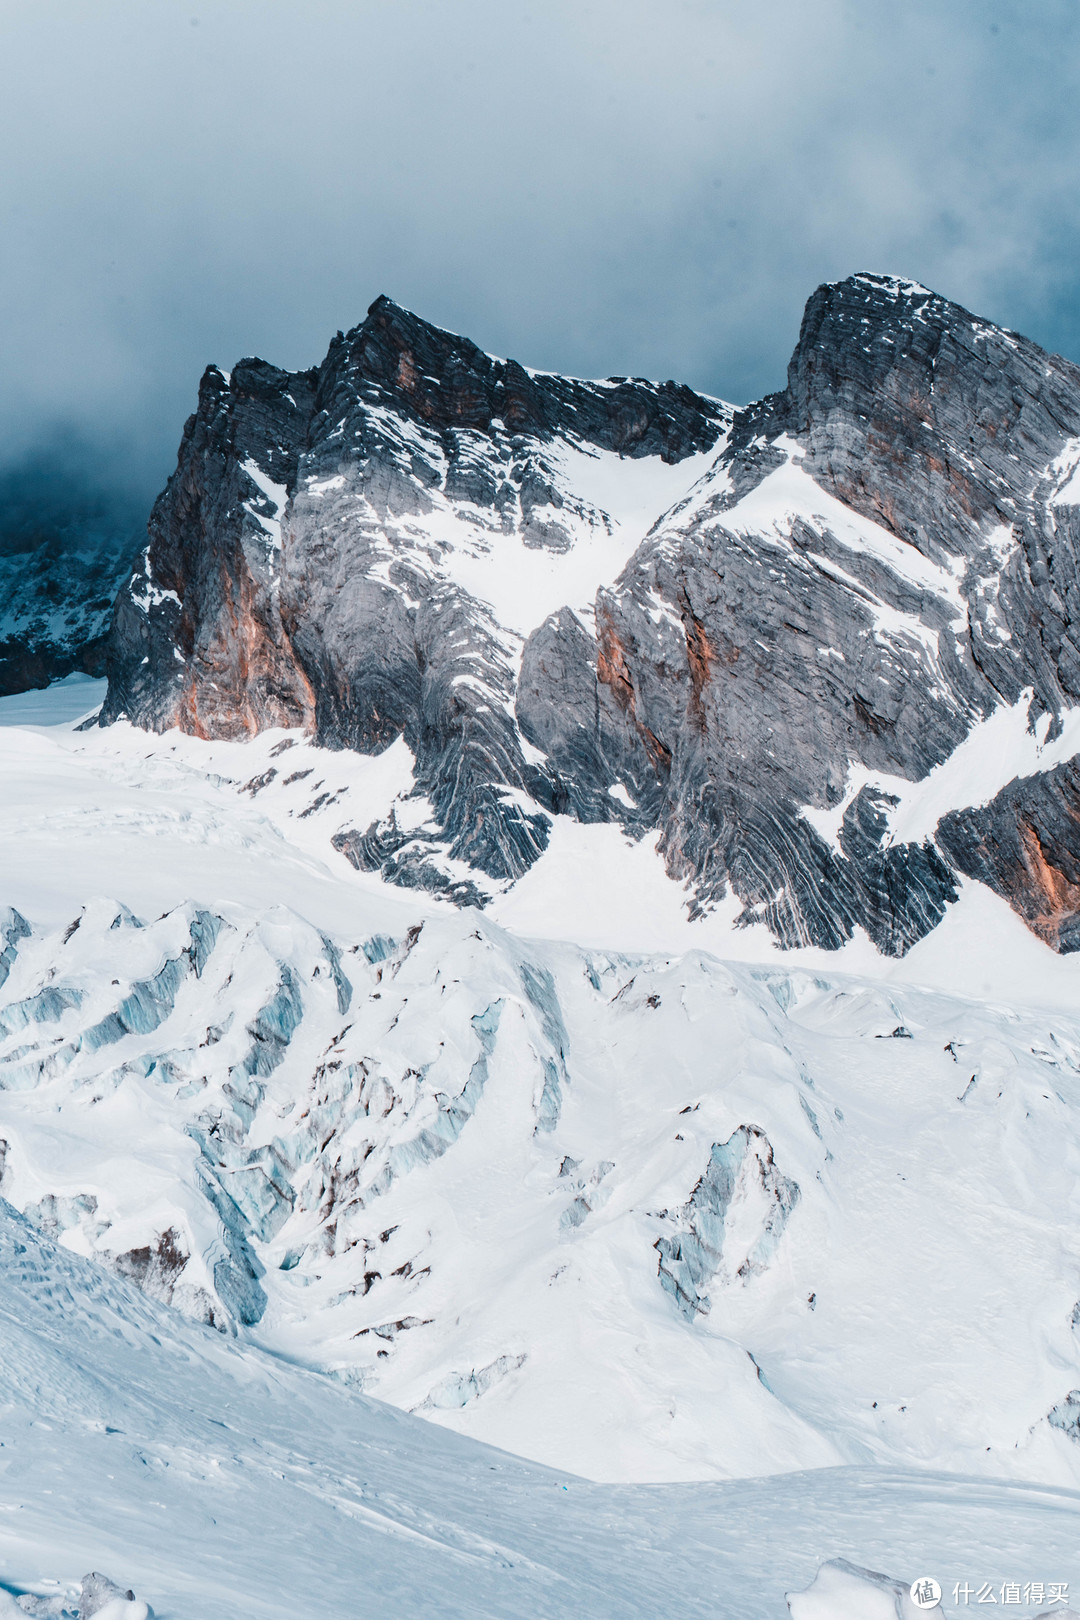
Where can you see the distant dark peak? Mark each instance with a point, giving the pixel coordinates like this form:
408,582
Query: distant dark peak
67,536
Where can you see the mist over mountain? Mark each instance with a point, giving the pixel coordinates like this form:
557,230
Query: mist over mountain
190,188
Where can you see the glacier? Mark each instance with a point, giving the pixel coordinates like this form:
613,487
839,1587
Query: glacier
641,1215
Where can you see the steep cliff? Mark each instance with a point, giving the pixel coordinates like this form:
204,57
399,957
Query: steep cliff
883,555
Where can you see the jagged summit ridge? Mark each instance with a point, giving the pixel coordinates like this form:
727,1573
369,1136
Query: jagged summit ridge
622,601
449,382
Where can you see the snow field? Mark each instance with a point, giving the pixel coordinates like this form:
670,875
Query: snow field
217,1481
460,1170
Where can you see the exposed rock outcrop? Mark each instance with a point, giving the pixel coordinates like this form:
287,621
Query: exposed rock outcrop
1025,845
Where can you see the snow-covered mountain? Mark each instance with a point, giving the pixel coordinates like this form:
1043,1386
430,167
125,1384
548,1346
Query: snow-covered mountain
363,549
67,539
566,924
751,634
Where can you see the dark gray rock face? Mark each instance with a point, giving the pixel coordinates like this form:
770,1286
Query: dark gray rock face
902,891
873,562
1025,845
197,638
943,428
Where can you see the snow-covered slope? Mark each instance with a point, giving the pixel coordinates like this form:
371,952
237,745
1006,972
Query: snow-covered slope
641,1216
217,1482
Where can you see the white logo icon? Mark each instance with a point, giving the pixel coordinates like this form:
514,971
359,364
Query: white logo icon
925,1593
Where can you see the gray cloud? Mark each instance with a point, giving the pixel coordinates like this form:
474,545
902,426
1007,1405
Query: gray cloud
644,186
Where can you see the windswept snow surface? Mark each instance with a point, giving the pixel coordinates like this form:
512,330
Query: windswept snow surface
162,818
218,1482
56,705
637,1213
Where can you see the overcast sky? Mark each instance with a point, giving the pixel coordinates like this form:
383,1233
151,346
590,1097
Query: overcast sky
595,186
